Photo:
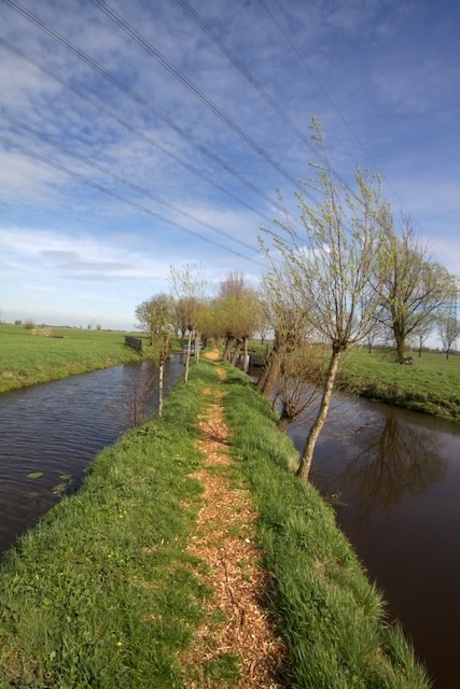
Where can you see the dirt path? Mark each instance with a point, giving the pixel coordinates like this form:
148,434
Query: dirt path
236,646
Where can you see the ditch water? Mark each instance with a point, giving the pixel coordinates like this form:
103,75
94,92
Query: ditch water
393,477
49,433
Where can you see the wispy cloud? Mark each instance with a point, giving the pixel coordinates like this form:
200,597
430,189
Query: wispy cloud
385,71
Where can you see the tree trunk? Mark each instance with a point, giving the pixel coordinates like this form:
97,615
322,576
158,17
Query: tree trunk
400,342
187,358
307,456
197,349
271,372
161,385
286,417
228,346
236,353
245,356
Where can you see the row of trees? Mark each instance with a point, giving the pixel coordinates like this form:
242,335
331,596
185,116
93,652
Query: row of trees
234,314
338,277
349,272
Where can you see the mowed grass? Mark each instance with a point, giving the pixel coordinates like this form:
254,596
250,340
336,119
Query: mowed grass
104,594
431,386
330,616
26,358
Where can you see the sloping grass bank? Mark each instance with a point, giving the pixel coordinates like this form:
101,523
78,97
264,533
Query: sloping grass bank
27,359
330,616
431,386
103,594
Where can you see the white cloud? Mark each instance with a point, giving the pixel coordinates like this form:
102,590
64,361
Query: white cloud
390,68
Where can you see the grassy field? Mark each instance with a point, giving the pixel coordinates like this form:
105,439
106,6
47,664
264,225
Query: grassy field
104,594
431,386
27,358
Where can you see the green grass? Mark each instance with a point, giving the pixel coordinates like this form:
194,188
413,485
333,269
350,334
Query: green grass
103,593
330,616
26,358
431,386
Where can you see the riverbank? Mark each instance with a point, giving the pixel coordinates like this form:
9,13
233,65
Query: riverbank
430,385
108,590
39,355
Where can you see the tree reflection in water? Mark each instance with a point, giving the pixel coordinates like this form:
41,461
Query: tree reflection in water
394,460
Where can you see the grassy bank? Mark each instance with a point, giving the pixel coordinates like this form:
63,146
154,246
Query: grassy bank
103,593
431,386
28,357
330,615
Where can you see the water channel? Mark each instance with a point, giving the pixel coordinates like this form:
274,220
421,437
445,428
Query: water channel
55,429
392,476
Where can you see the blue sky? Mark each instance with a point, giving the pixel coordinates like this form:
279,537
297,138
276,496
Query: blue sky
162,142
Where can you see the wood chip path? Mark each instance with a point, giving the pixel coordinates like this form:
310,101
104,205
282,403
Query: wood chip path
236,624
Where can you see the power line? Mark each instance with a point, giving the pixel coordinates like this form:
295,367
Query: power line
183,79
138,99
117,196
127,125
246,73
124,181
327,97
336,108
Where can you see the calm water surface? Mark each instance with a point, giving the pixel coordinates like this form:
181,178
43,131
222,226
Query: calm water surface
393,477
57,428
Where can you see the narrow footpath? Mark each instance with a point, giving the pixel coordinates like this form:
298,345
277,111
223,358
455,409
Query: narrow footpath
236,643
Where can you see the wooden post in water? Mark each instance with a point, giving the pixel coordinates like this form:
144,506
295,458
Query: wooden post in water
161,384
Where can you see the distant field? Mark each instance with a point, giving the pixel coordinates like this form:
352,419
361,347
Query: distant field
432,385
27,358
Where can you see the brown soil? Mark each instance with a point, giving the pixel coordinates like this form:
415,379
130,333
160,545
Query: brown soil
237,632
213,356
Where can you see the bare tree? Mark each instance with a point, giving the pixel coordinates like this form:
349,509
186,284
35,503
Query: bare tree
423,331
189,287
290,324
133,404
300,383
413,288
449,331
156,316
331,264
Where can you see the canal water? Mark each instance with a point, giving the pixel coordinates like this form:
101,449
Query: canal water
49,433
393,478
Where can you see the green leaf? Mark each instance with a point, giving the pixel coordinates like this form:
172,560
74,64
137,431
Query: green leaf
35,474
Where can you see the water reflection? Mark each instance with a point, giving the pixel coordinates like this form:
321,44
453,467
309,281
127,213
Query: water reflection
393,477
391,460
55,430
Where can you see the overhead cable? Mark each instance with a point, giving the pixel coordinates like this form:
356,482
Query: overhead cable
119,197
127,125
138,98
183,79
247,74
122,180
